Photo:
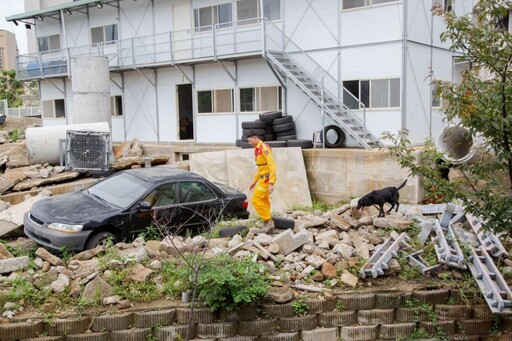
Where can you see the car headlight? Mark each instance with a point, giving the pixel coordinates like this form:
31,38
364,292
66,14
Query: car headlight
65,227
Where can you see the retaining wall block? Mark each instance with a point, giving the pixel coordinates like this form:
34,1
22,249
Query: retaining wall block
321,305
452,312
396,331
391,300
298,323
281,337
134,334
199,315
150,319
501,337
277,310
358,301
112,322
359,333
466,297
171,333
439,296
104,336
506,324
69,326
257,327
216,330
447,327
320,334
240,338
411,315
20,330
376,316
245,313
481,311
337,319
46,338
481,327
465,338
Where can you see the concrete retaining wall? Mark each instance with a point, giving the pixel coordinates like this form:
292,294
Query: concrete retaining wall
364,316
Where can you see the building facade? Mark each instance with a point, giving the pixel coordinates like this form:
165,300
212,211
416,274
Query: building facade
193,70
8,50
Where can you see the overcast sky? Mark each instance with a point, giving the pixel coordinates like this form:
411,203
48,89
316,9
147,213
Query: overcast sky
10,7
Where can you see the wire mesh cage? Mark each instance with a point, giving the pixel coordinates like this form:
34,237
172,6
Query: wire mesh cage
87,150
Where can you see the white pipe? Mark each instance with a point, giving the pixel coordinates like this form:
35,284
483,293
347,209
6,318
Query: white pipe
458,145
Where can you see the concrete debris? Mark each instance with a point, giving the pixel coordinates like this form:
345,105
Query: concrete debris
12,218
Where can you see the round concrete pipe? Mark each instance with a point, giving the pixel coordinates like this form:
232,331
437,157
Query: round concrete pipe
91,90
458,145
43,142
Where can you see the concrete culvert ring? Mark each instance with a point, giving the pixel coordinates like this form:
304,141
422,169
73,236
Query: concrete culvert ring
272,115
304,144
284,127
254,125
283,223
282,120
231,231
457,144
334,136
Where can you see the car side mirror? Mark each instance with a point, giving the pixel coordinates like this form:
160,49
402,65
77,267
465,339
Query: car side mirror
144,206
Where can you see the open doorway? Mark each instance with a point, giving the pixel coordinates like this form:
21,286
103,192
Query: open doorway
185,112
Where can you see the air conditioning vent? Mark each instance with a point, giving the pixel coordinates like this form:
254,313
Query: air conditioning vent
87,150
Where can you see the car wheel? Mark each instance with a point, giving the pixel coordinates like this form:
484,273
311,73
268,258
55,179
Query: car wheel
98,239
283,223
231,231
334,136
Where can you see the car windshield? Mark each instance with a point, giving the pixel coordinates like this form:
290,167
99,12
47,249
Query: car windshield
120,190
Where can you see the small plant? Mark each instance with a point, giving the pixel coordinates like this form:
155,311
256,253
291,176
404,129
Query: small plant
431,316
339,305
495,325
300,307
151,233
408,272
65,253
451,301
15,134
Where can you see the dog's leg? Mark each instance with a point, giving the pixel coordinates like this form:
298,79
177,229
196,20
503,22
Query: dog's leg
391,208
397,204
381,210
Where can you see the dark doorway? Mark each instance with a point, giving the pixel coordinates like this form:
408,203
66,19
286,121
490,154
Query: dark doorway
185,112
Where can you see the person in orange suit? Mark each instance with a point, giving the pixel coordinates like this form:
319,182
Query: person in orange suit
265,178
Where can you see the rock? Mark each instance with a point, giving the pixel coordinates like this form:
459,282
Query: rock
313,222
124,304
366,220
339,222
273,248
263,239
90,278
28,184
280,294
173,245
137,254
308,270
47,256
4,252
13,216
46,279
83,268
127,162
318,277
9,306
342,209
96,289
31,174
365,212
315,261
153,245
328,270
58,169
74,288
38,262
324,245
116,265
9,314
13,264
44,173
392,223
363,251
60,284
375,240
46,266
394,267
89,254
330,236
288,241
140,273
111,300
348,279
354,223
345,250
155,265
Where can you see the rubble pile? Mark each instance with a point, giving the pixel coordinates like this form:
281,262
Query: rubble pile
129,154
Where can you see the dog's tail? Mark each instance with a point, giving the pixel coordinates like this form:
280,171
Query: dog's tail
402,185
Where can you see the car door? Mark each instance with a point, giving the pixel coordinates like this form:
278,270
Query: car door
199,205
161,209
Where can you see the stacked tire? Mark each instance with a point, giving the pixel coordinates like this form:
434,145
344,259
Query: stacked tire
275,129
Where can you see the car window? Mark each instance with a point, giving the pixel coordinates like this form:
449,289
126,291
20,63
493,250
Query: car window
119,190
163,195
195,191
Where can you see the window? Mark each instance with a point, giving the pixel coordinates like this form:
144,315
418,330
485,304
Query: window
266,98
348,4
54,108
195,192
116,105
377,93
49,43
250,9
436,98
446,5
205,17
215,101
103,34
163,195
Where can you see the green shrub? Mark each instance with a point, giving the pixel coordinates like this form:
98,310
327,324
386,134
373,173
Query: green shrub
300,308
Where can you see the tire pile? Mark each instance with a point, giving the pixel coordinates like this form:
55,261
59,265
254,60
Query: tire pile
275,130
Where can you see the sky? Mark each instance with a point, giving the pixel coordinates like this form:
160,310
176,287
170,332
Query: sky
10,7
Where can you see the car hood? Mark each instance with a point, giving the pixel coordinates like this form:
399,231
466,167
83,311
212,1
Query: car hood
70,208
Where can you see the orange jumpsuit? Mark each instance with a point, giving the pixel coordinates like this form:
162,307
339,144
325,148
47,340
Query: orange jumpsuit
266,175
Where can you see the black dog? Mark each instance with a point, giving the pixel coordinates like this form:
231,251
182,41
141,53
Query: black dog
381,196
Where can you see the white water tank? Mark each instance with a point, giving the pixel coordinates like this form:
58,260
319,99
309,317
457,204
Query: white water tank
458,145
90,82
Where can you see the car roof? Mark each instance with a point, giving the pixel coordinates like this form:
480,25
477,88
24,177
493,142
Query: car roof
162,174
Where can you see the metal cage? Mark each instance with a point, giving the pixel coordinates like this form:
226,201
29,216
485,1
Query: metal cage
87,150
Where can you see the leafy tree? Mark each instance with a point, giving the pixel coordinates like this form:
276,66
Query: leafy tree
10,88
482,103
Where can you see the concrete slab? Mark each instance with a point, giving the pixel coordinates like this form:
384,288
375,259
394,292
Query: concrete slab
212,165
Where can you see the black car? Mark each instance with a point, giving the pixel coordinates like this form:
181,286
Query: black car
126,203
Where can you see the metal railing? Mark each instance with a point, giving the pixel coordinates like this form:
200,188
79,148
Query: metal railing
24,112
3,107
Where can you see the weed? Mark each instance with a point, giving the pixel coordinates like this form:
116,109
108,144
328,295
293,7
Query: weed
495,325
408,271
151,233
339,305
451,301
300,307
65,253
355,269
151,337
15,134
431,316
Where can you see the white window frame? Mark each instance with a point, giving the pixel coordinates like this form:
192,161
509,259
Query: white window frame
105,41
446,5
436,101
50,48
370,93
116,108
46,104
257,103
213,100
369,4
254,20
215,17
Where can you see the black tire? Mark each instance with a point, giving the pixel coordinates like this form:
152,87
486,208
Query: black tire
276,144
304,144
288,132
271,115
282,120
269,137
283,223
254,125
284,127
98,239
286,137
334,136
238,143
246,145
246,132
231,231
269,130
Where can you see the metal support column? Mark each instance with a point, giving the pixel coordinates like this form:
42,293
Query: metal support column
124,108
403,105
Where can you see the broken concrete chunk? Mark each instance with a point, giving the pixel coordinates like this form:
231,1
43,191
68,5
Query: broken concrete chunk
47,256
96,287
60,284
280,294
348,279
315,261
28,184
4,252
13,264
392,223
288,241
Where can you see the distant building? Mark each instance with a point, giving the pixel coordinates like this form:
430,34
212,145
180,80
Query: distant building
8,50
